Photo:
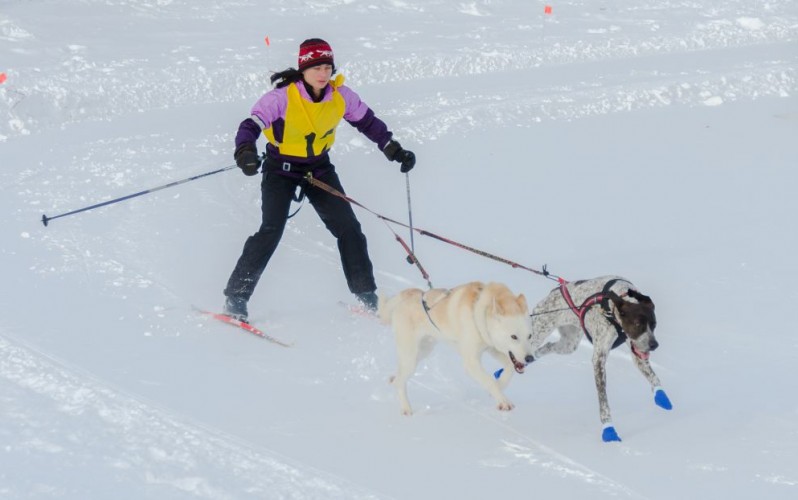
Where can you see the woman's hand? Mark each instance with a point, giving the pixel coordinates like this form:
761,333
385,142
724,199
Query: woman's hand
246,156
394,152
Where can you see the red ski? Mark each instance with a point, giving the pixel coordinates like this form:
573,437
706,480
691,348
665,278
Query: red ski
243,325
359,310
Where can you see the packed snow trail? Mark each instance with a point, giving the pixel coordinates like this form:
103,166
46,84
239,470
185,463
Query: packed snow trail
130,448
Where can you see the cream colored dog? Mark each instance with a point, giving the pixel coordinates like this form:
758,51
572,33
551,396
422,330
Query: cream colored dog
473,318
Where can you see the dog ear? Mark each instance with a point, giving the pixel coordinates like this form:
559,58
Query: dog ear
497,307
642,299
619,302
522,302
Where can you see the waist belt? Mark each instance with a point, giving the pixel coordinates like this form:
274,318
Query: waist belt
274,165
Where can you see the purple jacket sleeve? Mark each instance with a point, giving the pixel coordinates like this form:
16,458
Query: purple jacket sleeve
248,132
360,116
269,108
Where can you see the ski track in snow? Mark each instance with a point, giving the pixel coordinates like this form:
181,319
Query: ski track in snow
536,454
163,449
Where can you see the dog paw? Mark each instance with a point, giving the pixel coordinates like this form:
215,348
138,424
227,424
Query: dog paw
662,399
407,412
505,406
609,435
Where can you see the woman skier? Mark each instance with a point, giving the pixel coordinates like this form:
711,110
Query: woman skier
299,117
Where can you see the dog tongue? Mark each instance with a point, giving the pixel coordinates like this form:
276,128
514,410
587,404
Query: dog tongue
519,366
642,355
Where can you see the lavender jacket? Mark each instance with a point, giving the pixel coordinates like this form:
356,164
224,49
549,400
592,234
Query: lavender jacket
269,111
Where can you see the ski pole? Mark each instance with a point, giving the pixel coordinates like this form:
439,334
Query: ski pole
46,220
412,257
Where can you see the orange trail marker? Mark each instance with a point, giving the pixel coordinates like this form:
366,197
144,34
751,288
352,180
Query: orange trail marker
3,78
268,43
547,9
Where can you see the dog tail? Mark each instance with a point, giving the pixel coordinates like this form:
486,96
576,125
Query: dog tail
385,307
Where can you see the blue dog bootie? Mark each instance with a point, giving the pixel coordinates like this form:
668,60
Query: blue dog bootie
609,435
662,399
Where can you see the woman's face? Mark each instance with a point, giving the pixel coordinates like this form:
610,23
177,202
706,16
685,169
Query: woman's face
318,76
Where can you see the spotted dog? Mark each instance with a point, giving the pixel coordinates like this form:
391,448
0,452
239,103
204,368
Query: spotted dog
609,312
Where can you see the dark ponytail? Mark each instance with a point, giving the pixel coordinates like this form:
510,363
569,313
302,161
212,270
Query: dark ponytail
286,77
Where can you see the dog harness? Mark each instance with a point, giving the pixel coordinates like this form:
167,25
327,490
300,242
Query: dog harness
427,307
601,298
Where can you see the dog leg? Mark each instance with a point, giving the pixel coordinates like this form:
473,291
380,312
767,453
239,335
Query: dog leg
473,366
407,350
645,368
570,336
600,375
660,397
507,370
600,353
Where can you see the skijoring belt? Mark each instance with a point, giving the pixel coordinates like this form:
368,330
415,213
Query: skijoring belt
278,166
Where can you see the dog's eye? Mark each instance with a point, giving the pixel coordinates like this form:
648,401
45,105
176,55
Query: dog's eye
514,337
530,337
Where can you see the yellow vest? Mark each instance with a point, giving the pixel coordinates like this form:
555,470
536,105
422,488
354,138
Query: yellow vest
309,128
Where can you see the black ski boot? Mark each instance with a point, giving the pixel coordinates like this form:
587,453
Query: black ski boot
236,308
369,300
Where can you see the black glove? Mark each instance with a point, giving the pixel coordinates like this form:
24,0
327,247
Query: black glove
394,152
247,159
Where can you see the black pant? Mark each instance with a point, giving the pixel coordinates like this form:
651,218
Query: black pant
277,191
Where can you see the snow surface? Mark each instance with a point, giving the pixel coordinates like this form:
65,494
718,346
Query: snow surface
650,139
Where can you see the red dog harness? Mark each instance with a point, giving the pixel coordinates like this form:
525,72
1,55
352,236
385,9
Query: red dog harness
601,298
